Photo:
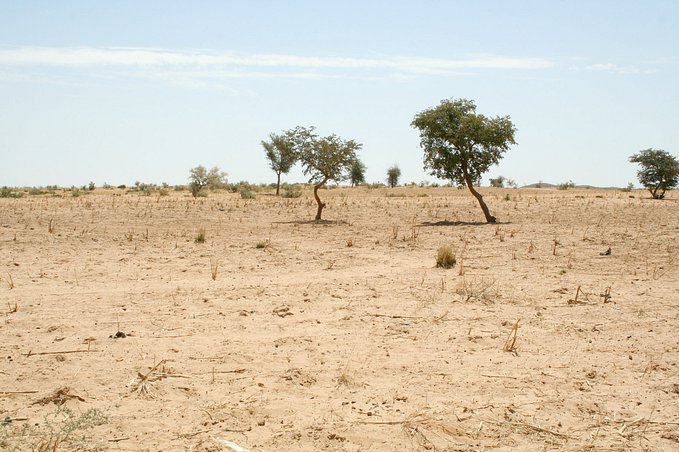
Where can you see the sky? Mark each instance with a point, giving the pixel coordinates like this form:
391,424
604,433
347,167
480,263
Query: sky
129,90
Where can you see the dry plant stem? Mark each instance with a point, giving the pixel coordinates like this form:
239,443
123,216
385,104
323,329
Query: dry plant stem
214,267
30,353
510,343
10,281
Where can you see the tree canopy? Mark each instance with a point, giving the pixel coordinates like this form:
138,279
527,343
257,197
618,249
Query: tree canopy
460,145
280,151
357,173
659,171
393,175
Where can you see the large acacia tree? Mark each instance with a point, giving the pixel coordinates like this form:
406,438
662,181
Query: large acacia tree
460,145
323,159
280,150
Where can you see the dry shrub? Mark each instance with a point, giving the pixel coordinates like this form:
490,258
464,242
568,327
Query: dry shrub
445,257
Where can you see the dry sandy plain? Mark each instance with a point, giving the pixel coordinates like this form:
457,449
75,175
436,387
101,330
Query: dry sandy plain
343,335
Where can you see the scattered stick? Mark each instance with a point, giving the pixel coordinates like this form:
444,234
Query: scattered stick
31,353
397,316
17,392
117,440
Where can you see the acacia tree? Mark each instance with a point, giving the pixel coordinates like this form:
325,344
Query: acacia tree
323,159
357,173
460,144
200,178
393,175
280,151
659,171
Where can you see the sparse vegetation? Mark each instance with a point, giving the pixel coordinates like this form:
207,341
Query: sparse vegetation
201,179
323,159
566,185
357,173
200,237
393,175
280,151
445,257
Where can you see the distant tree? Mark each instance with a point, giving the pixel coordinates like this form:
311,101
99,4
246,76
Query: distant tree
393,175
460,145
566,185
280,151
498,182
323,159
659,171
357,173
200,178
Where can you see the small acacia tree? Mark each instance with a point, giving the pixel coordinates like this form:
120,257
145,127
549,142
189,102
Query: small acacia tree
280,151
393,175
323,159
357,173
200,178
460,144
659,171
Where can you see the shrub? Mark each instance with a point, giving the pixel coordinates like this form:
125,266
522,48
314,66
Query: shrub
445,257
200,238
565,185
292,191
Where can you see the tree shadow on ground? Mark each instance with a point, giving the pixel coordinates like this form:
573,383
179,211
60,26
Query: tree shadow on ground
460,223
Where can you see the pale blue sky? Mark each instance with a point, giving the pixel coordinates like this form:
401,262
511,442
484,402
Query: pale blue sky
121,91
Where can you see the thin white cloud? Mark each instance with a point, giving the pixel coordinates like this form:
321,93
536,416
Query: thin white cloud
136,57
616,69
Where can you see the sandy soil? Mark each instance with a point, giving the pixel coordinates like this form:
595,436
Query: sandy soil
344,335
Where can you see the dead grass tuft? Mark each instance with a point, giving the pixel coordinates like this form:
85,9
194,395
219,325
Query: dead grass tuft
445,257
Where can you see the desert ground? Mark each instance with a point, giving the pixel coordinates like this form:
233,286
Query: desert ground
555,329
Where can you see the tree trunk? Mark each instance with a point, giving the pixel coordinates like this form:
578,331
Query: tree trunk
278,184
479,198
321,205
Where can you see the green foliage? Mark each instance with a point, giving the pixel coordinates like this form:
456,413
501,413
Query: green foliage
460,145
91,186
357,173
498,182
292,191
61,430
628,188
565,185
323,159
9,192
280,151
246,193
659,171
393,175
200,178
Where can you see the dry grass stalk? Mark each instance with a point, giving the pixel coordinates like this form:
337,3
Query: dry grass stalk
510,343
50,226
214,266
10,281
11,309
394,232
143,386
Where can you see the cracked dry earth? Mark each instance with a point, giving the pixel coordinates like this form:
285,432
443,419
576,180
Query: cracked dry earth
340,335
